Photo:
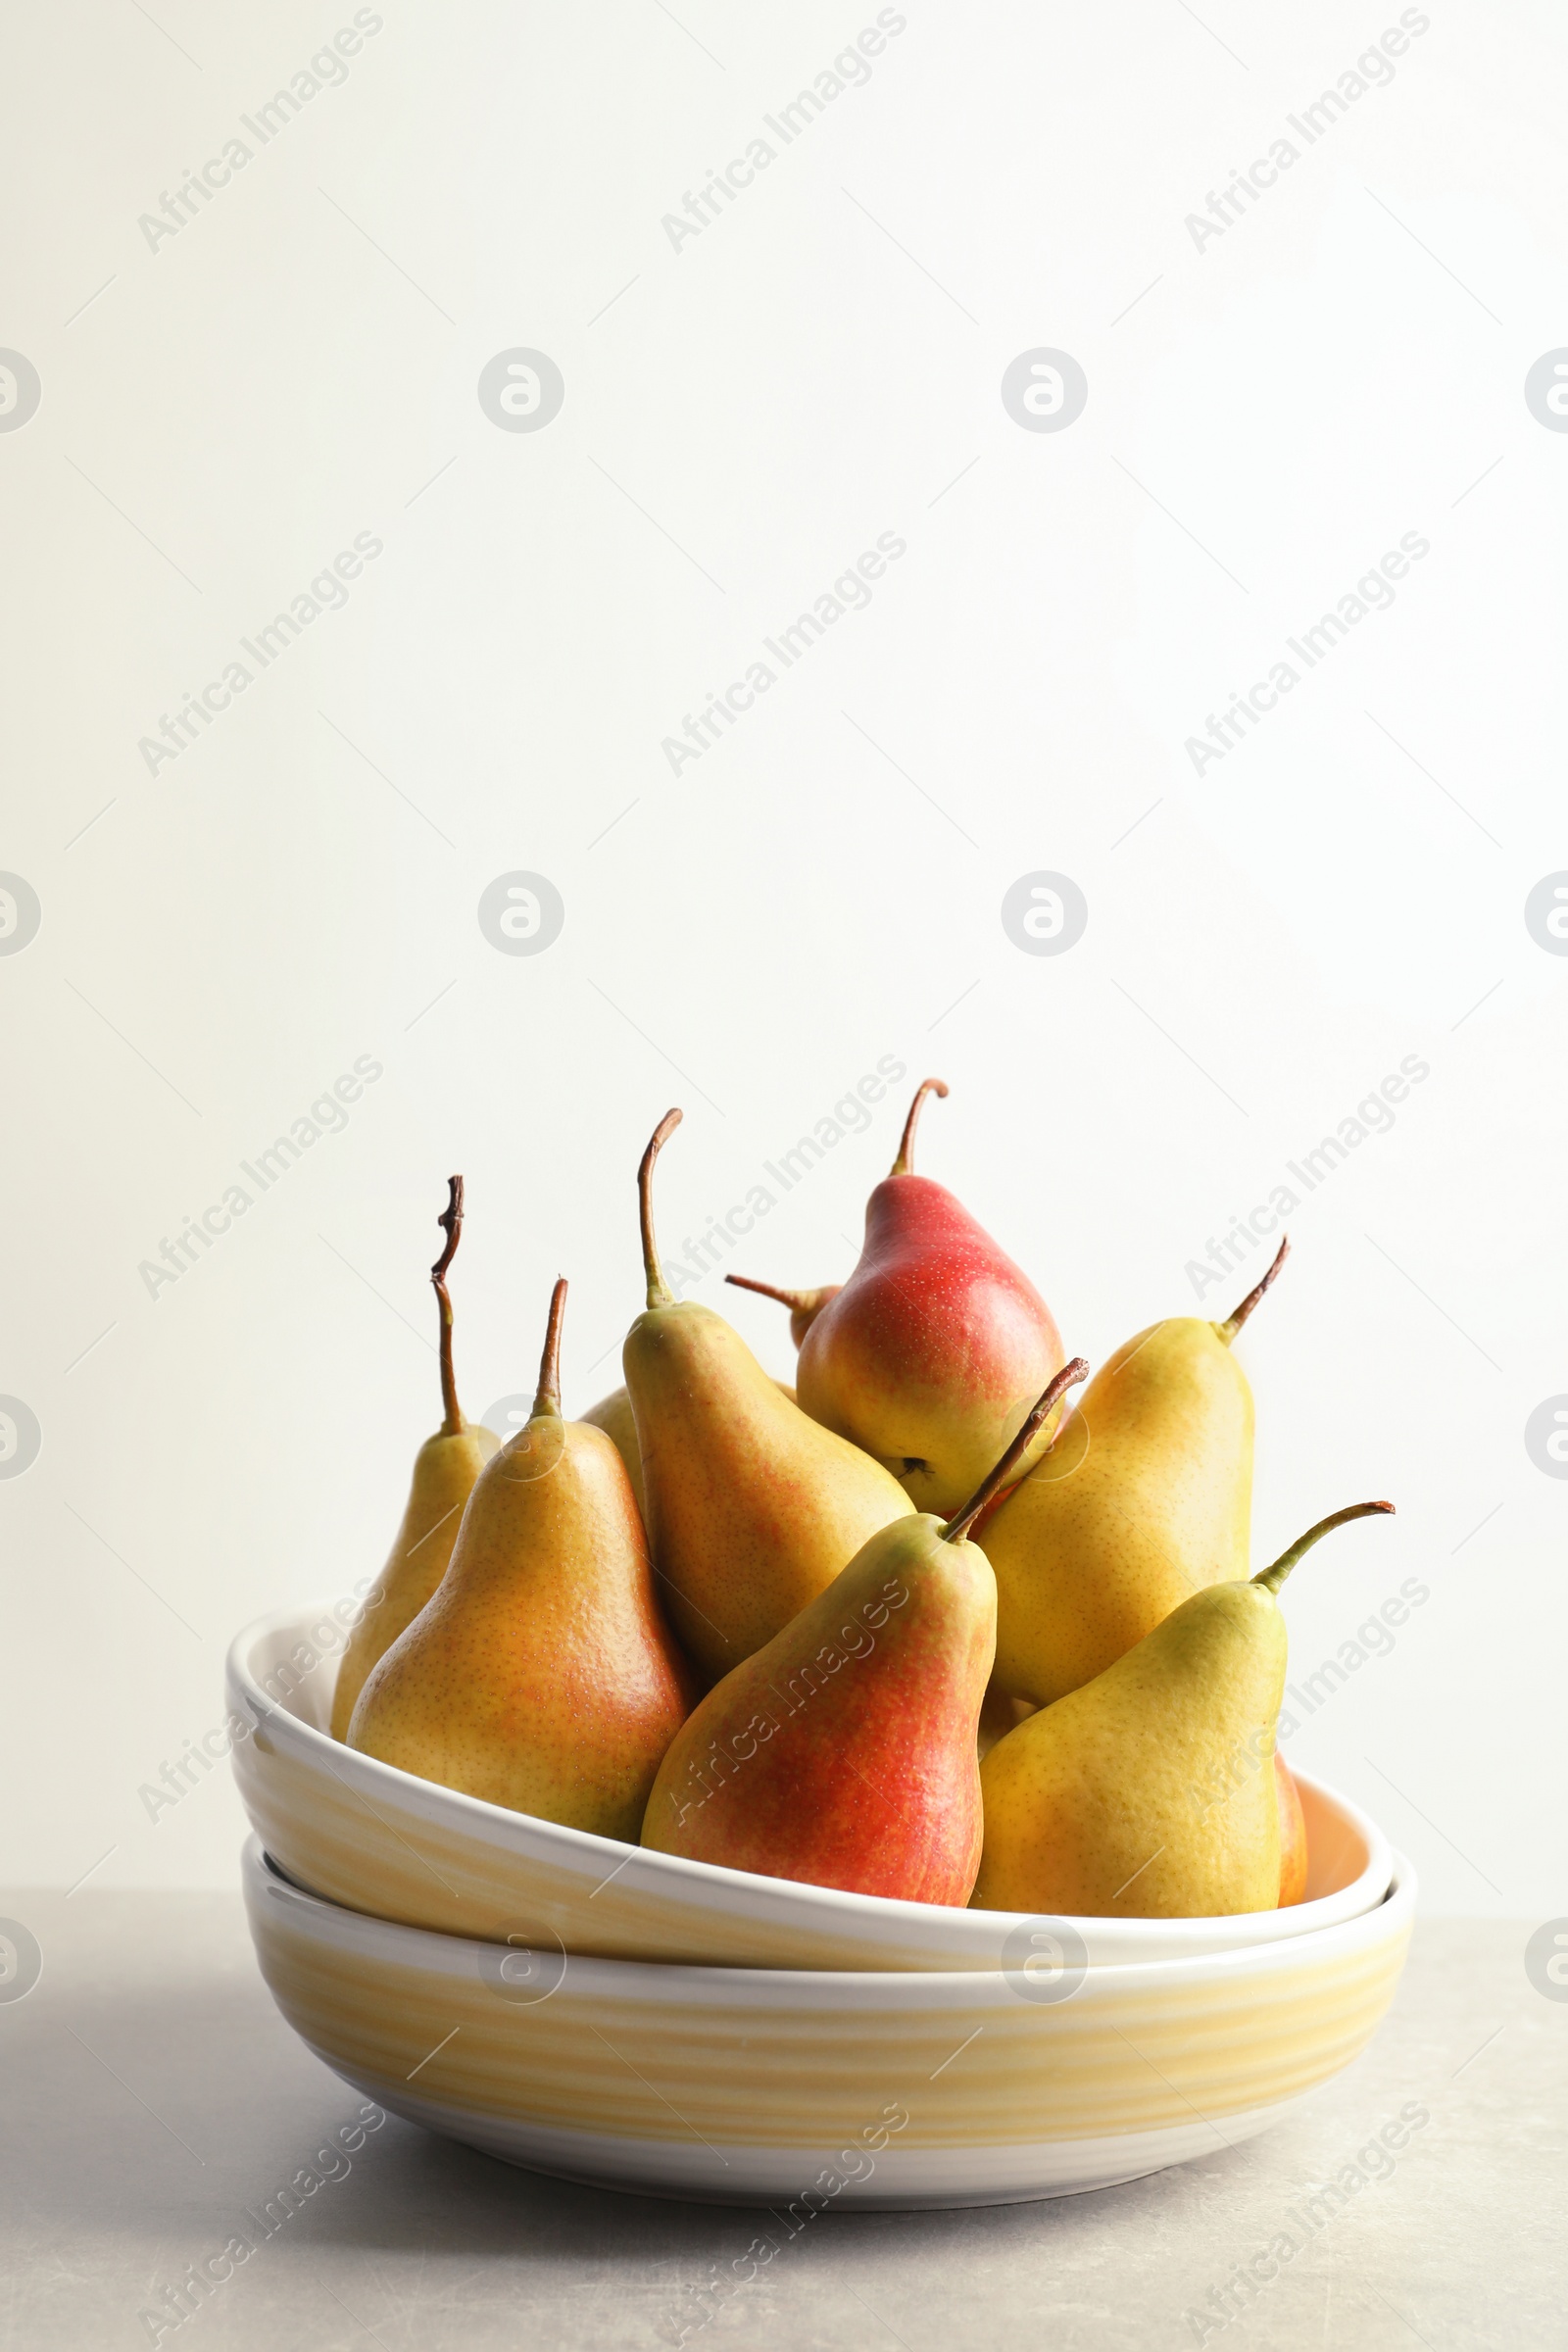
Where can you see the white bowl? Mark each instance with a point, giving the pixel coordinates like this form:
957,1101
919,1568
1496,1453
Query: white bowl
365,1834
799,2088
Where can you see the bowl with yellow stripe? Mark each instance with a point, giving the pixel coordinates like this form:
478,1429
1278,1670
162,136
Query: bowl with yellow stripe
364,1835
801,2089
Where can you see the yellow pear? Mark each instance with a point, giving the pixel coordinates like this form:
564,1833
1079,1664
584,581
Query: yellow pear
1150,1793
444,1472
999,1715
1145,1497
542,1675
752,1508
614,1416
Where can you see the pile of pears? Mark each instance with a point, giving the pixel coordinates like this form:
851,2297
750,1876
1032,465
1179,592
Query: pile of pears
920,1626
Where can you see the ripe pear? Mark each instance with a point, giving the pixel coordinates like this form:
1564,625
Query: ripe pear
1145,1496
843,1753
752,1508
1293,1834
542,1675
614,1416
1000,1715
445,1469
1149,1793
933,1351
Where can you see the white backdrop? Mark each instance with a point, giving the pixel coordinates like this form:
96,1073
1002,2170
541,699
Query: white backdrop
1275,402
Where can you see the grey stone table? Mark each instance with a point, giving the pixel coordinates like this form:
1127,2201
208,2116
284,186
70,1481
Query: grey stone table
151,2094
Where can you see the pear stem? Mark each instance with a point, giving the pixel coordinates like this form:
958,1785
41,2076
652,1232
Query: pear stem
451,1223
660,1293
1273,1577
904,1166
548,1399
996,1478
1233,1323
795,1300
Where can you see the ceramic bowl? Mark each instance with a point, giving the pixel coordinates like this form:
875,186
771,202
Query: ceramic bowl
376,1840
800,2088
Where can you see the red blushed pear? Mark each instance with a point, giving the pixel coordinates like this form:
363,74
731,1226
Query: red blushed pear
932,1352
844,1752
1293,1834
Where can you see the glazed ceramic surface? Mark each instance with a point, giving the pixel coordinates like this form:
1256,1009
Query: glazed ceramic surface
801,2089
365,1834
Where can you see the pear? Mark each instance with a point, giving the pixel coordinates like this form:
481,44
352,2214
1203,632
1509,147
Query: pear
1293,1834
1145,1496
444,1472
1000,1715
752,1508
844,1752
1148,1794
804,1305
614,1416
933,1351
542,1675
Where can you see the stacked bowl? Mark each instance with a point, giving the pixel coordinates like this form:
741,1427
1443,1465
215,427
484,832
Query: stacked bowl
642,2022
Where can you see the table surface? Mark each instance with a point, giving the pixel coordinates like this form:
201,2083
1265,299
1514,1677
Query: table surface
152,2092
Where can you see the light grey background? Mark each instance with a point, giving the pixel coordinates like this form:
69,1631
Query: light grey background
1269,411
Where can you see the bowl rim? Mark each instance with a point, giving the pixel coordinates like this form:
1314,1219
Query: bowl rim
436,1951
835,1907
